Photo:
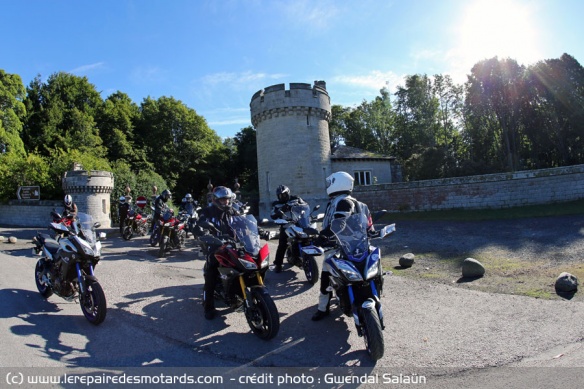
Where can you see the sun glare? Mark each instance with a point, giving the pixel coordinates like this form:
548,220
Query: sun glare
498,28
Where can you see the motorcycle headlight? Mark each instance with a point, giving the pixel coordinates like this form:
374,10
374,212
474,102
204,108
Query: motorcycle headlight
372,266
349,271
248,264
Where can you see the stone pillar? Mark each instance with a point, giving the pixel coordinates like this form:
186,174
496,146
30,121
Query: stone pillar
91,191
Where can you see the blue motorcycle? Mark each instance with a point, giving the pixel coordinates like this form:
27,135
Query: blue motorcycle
356,276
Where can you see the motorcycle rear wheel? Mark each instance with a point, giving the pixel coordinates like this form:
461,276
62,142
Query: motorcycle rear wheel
262,316
40,270
311,270
127,233
373,334
93,303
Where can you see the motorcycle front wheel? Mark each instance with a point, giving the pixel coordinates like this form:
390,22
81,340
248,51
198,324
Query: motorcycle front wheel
40,271
311,269
373,334
262,316
93,303
127,233
154,237
163,243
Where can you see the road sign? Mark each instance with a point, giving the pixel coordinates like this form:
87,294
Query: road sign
141,201
28,193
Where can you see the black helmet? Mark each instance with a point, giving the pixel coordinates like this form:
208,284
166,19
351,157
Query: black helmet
166,195
222,192
283,193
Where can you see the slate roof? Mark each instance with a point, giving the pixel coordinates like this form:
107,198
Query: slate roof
353,153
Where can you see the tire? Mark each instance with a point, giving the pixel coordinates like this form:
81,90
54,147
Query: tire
289,257
155,237
163,244
127,233
93,303
373,334
182,234
311,270
40,269
262,316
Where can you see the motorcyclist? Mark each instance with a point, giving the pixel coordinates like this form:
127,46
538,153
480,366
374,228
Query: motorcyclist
187,203
160,206
279,208
219,214
123,208
339,187
69,207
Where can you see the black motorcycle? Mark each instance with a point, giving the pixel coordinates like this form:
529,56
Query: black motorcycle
299,224
66,265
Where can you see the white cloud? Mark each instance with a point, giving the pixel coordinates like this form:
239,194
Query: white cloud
149,74
239,80
375,79
87,68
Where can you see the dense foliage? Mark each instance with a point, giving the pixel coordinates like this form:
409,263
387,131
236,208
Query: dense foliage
504,118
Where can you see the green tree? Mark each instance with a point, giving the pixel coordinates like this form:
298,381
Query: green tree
61,115
116,120
178,142
12,113
493,102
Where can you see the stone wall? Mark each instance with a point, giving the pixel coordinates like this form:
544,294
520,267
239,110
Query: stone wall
28,213
494,191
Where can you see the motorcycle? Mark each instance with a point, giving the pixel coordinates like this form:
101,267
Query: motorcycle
356,276
67,220
135,223
172,233
191,214
67,263
299,224
243,263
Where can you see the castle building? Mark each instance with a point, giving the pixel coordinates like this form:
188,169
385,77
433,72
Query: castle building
293,142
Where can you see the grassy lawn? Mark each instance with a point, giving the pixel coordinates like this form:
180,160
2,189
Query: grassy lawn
505,272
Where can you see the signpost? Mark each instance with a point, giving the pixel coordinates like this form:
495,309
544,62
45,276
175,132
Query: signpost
141,202
29,193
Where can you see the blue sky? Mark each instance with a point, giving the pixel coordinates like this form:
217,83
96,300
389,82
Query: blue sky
214,55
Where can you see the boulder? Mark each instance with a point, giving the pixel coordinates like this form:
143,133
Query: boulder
472,268
13,239
566,282
406,260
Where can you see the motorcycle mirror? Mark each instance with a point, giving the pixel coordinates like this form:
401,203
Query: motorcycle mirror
316,207
379,214
389,229
312,250
96,225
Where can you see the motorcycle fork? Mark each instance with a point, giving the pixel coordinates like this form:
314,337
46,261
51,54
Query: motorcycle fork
243,286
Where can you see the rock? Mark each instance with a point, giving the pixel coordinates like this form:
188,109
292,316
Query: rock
472,268
13,239
406,260
1,239
566,282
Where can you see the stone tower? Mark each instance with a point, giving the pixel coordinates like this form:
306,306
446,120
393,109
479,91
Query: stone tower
293,142
91,192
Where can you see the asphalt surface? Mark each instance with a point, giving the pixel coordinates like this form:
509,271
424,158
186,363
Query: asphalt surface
451,336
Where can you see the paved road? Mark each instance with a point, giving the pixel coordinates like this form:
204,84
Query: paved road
452,337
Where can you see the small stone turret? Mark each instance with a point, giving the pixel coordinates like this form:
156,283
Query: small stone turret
91,192
293,143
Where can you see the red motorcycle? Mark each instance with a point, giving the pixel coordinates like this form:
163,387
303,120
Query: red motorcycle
172,233
243,263
135,223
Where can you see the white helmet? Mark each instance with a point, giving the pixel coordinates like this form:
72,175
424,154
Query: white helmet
68,200
339,182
